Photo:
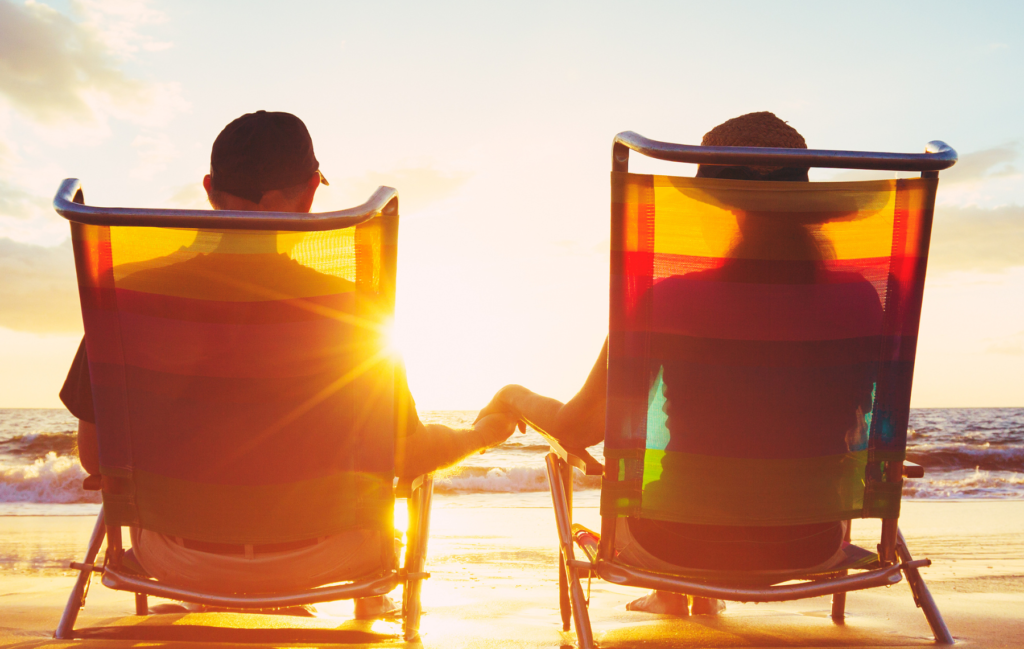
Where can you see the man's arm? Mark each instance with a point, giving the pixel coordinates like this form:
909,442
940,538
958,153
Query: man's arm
88,447
578,423
435,446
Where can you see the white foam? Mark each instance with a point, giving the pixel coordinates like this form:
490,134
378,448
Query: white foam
51,479
967,484
514,479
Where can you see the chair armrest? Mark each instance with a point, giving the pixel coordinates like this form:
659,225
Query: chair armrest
577,457
912,470
406,486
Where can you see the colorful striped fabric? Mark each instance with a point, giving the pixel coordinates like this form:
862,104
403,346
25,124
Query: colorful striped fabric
761,347
243,387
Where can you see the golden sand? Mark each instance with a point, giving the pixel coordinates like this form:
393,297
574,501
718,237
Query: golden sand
494,585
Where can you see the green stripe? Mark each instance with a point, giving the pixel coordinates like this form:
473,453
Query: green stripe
261,514
709,490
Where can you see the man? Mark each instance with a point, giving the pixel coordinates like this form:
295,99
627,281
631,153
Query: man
265,162
723,405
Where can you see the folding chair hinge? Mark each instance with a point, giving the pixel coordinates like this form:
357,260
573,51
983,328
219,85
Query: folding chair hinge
85,566
89,568
917,563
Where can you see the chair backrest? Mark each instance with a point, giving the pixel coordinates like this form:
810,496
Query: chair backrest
761,347
242,383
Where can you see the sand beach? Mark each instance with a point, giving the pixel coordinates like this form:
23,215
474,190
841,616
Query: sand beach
494,585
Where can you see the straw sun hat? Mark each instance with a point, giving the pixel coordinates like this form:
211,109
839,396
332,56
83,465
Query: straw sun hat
761,129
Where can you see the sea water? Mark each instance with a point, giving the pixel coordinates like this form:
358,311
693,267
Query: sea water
966,452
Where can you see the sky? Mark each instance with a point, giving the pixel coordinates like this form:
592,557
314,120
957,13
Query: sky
495,124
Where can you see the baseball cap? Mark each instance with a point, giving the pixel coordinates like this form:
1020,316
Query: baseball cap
262,151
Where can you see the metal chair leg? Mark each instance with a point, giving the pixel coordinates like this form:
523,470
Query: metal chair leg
76,600
564,600
839,607
922,596
564,604
839,599
416,557
580,614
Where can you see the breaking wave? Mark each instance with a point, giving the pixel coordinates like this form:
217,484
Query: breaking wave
988,456
967,453
50,479
514,479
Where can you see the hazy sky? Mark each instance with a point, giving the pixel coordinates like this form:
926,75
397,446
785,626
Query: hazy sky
495,124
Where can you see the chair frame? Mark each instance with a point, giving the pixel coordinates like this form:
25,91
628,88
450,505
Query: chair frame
69,203
894,555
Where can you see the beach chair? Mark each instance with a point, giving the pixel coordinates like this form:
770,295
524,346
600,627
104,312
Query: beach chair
244,391
849,308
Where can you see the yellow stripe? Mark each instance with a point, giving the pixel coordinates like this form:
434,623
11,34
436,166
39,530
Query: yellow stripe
234,266
702,216
710,490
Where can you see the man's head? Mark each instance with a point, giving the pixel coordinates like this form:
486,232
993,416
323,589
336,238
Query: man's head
263,162
762,129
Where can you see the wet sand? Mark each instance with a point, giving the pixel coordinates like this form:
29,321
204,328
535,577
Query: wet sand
494,585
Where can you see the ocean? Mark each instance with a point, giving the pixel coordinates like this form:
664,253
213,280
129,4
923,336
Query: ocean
967,453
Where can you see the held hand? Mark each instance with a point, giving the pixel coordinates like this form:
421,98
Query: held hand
495,428
498,405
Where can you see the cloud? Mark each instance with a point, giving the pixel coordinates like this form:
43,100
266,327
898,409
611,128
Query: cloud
54,69
117,23
1010,346
984,165
18,204
190,196
155,151
417,186
38,288
988,163
974,238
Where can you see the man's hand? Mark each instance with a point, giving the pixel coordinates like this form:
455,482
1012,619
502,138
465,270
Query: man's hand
494,428
435,446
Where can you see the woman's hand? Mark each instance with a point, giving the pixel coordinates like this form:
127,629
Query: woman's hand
503,404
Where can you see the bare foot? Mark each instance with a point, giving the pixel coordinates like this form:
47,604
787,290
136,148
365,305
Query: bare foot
660,601
707,606
372,608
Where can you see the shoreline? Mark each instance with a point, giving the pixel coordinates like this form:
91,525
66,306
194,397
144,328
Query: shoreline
471,500
495,584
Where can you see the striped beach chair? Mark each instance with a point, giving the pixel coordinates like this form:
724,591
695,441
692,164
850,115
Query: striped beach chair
788,367
244,391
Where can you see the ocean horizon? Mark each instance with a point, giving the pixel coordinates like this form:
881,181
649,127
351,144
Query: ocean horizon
968,453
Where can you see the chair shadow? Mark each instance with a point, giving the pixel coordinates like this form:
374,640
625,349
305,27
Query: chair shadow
236,628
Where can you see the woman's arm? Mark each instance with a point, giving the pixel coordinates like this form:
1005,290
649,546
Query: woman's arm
578,423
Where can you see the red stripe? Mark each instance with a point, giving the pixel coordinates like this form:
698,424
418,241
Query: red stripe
662,347
690,306
260,312
767,271
192,348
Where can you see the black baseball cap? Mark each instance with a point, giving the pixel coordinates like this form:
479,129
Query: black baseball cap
262,151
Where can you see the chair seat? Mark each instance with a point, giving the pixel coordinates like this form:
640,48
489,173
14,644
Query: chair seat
855,558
